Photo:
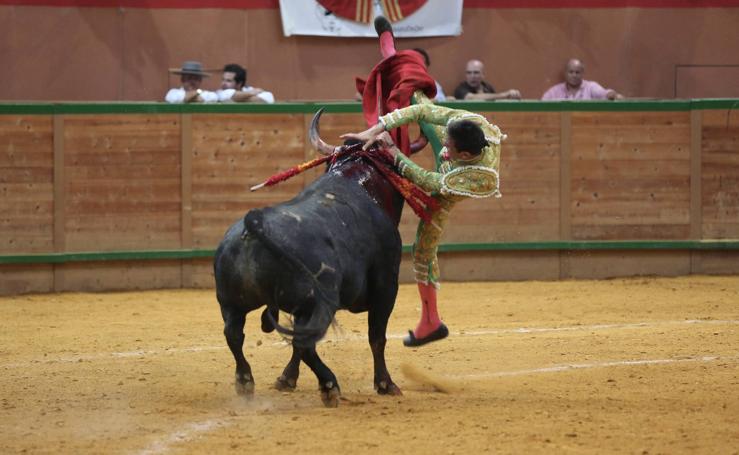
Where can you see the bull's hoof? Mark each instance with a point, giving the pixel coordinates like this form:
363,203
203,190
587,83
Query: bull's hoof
387,388
244,386
330,395
284,384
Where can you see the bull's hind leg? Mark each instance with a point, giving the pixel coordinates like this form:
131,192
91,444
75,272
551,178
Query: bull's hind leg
288,380
234,319
327,383
382,302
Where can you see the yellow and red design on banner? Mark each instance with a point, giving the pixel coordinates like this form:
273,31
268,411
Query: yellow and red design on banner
361,10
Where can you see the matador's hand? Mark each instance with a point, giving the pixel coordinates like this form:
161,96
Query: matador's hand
386,141
368,136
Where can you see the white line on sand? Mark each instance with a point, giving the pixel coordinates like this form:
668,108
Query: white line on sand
634,325
188,433
338,336
583,366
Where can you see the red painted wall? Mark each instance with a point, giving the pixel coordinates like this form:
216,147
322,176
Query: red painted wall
122,51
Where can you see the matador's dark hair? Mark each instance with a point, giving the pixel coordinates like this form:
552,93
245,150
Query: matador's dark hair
467,136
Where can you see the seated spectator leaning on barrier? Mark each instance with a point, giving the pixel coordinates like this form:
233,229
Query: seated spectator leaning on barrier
440,96
191,75
576,88
234,88
475,88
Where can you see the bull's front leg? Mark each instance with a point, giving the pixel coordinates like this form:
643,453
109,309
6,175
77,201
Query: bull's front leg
288,380
377,319
234,319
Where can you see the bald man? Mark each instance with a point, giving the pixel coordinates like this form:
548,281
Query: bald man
576,88
475,88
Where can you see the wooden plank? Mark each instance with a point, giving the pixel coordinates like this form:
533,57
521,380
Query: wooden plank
186,194
232,153
630,137
565,189
720,119
696,176
507,121
630,175
123,173
59,198
719,180
26,184
636,152
606,120
631,231
26,158
118,223
123,181
26,174
548,152
565,177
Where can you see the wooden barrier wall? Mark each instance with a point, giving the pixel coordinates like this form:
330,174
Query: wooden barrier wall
163,179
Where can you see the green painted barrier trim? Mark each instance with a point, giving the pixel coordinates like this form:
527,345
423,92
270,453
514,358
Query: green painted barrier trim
575,245
164,108
703,245
29,108
61,258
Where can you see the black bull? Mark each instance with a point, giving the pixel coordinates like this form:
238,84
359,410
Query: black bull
334,246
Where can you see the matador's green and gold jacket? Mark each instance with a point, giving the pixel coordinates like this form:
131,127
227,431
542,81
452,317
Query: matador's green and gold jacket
455,179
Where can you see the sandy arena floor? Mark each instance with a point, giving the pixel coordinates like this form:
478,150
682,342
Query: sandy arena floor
639,365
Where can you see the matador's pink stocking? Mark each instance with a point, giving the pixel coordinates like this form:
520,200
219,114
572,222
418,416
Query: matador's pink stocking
429,314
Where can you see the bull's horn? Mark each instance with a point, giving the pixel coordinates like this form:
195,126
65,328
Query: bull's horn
315,138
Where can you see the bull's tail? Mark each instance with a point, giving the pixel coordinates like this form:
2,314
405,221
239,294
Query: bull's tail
321,314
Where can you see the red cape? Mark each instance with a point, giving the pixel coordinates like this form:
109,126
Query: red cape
390,86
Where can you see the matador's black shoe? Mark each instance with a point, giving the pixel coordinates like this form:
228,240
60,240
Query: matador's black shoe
382,25
440,333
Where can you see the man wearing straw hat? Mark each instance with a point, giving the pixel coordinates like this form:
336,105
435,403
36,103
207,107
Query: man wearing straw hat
191,75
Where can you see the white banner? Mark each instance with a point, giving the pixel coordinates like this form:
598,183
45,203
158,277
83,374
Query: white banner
308,17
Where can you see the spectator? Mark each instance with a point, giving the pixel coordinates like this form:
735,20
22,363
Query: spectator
191,75
576,88
234,88
475,88
440,96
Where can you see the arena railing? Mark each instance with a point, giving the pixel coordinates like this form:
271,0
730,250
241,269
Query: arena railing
64,108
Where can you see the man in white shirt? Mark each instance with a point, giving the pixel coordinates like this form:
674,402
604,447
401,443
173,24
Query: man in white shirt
234,88
191,76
